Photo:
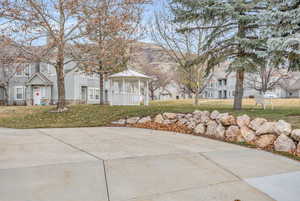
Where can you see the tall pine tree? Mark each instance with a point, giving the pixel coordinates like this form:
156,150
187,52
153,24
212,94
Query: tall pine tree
281,20
236,27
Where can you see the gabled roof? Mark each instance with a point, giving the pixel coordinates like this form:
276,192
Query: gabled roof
129,73
44,80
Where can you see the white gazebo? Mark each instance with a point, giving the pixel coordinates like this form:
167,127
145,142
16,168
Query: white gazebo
129,88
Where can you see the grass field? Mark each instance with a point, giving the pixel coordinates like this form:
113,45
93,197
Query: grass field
96,115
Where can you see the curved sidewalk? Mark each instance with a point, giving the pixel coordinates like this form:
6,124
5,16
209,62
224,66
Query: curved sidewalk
130,164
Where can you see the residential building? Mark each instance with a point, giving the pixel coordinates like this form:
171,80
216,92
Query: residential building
37,85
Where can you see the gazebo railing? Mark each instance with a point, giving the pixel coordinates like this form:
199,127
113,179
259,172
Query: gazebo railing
126,99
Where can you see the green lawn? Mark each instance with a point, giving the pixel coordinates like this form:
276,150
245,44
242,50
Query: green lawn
96,115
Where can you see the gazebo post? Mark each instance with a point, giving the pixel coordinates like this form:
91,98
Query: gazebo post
139,91
111,91
123,92
147,94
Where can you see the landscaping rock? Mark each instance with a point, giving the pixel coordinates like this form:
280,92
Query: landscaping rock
214,115
248,134
159,119
200,129
298,149
197,112
256,123
220,132
296,135
233,134
182,121
191,125
282,127
145,120
132,120
226,119
265,141
188,116
180,116
285,144
169,115
211,128
266,128
119,122
204,117
167,122
243,121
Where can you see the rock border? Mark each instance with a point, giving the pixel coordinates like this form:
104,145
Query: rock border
260,133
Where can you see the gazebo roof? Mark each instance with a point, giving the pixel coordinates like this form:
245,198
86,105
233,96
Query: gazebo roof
129,74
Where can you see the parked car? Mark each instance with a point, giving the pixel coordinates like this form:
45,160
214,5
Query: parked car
270,95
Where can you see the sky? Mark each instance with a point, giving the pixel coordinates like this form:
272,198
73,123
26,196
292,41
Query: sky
148,15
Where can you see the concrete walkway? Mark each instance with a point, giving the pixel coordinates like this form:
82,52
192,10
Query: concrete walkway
128,164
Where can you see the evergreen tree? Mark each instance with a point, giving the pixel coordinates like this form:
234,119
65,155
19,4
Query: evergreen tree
281,20
235,25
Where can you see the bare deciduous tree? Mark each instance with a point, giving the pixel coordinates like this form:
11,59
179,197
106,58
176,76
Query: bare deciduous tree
159,78
59,22
12,61
113,25
188,50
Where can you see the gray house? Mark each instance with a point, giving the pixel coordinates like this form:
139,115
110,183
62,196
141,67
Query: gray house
37,85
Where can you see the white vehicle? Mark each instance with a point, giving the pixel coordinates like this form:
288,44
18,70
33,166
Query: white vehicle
270,95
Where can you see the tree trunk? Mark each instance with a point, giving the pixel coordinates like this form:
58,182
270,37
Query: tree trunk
61,102
5,96
239,90
197,96
101,80
152,94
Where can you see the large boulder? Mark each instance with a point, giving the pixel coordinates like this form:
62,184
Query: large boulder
233,134
167,122
191,124
119,122
145,120
243,121
182,121
296,135
266,128
265,141
211,128
220,132
226,119
282,127
169,115
214,115
159,119
197,112
285,144
248,134
298,149
132,120
200,129
256,123
204,118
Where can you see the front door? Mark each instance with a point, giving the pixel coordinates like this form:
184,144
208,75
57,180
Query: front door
37,96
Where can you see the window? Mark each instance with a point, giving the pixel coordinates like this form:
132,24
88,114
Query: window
19,72
91,94
19,93
46,69
97,94
220,83
94,94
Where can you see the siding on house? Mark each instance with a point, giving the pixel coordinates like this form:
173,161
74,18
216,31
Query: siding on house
74,80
